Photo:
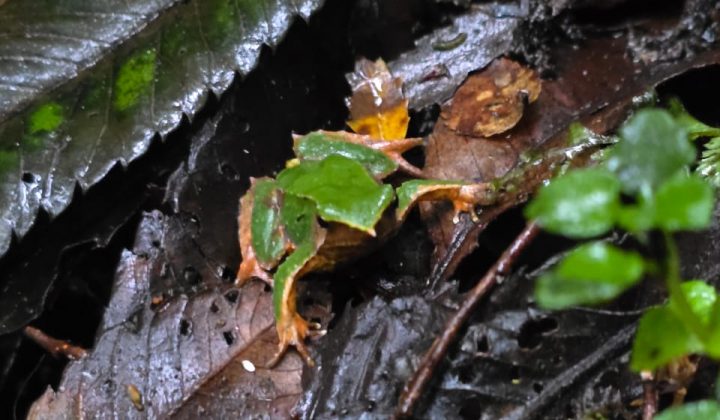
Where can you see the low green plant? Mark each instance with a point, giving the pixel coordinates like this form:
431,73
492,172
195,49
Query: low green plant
644,185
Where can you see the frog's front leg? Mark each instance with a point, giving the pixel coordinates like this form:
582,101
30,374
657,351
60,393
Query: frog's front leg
291,327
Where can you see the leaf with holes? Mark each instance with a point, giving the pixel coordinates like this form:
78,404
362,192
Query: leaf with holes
166,355
86,85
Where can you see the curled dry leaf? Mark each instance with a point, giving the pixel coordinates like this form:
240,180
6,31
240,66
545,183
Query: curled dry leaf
377,106
492,101
579,92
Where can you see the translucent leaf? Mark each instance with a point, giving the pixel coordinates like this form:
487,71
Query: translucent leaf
377,106
579,204
589,274
652,148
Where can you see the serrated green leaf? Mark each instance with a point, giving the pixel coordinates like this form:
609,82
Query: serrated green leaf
268,240
660,338
684,203
342,190
591,273
319,145
694,127
698,410
580,204
92,83
653,147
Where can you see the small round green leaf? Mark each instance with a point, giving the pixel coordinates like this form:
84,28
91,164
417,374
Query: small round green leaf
684,203
652,148
700,296
661,337
579,204
699,410
589,274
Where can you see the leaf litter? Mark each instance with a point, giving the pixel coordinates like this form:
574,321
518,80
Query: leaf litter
455,401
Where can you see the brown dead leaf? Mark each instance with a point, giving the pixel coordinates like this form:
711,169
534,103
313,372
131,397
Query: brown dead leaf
492,101
153,363
378,107
588,79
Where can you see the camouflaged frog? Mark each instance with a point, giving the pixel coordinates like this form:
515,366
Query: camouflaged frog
337,178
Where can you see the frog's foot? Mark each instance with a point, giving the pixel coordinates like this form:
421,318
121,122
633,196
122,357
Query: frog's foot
292,332
249,268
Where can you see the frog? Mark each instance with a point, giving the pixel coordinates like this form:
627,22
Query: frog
328,207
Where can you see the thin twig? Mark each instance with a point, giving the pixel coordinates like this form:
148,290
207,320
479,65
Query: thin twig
53,345
650,397
416,385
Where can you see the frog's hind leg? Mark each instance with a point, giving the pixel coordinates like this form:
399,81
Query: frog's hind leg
291,327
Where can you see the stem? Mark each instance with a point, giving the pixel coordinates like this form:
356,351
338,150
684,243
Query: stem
650,398
672,280
415,387
53,345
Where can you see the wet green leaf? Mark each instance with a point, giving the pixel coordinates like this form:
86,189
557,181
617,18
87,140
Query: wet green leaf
89,84
592,273
580,204
698,410
701,297
319,145
653,147
342,190
684,203
636,217
661,337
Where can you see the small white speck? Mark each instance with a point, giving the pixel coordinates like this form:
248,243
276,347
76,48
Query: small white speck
248,365
246,151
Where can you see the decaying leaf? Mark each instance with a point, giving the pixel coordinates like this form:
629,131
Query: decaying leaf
577,93
158,358
493,100
378,106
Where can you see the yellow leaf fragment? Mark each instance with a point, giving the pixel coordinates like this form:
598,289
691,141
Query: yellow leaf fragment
378,106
